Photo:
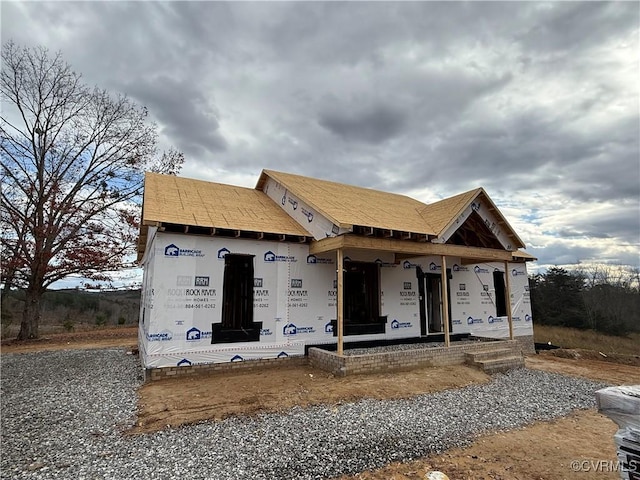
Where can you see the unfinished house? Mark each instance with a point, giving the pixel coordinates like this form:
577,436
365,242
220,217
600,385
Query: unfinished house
234,274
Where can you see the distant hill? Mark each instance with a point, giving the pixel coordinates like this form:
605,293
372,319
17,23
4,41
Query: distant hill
73,310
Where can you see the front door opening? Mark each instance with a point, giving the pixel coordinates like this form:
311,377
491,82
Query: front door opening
362,299
431,295
434,303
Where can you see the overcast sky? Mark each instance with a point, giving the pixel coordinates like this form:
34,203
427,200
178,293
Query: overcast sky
536,102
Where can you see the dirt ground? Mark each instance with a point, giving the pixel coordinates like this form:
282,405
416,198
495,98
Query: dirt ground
544,450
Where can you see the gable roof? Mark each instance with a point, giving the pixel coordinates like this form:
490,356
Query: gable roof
348,205
444,213
182,201
178,202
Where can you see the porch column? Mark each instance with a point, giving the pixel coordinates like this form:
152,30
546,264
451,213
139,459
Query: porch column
445,300
507,284
340,300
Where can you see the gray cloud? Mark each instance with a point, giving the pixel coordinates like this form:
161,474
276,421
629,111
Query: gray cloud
371,124
530,100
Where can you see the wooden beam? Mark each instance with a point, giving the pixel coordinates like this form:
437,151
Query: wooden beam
326,245
151,223
340,301
408,247
445,301
507,284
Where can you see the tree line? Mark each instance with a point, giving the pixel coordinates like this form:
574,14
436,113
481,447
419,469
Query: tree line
601,298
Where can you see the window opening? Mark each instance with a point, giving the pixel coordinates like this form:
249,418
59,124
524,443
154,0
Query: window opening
237,302
501,297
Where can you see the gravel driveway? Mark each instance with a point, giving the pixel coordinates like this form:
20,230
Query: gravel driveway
63,413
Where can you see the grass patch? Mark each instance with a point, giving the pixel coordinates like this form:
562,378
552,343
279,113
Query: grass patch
587,339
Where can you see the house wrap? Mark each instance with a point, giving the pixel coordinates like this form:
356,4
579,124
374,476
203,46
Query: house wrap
234,274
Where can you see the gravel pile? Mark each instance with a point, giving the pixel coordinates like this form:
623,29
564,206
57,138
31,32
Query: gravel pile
63,414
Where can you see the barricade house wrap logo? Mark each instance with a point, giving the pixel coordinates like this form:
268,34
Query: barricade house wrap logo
459,268
407,265
493,319
237,358
471,320
328,328
313,260
516,272
272,257
184,363
174,251
290,329
163,336
195,334
223,252
307,214
395,324
479,269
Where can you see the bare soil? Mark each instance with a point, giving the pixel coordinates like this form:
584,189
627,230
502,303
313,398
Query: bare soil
541,451
97,338
178,401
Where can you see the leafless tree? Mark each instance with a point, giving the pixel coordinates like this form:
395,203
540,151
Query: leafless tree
73,160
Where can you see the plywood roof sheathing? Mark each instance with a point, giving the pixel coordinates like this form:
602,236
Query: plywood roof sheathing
348,205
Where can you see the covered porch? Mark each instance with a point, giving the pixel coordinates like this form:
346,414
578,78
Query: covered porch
361,279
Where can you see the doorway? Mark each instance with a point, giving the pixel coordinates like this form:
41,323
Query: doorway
431,294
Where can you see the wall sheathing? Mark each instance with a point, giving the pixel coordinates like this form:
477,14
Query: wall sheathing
295,299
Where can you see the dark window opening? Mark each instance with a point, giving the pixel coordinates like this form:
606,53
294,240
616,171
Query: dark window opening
362,299
237,302
501,297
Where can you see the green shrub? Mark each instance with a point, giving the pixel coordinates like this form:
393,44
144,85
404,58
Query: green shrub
101,319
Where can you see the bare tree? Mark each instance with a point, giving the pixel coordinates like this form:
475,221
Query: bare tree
73,160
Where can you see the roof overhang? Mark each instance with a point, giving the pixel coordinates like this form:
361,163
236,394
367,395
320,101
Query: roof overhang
408,249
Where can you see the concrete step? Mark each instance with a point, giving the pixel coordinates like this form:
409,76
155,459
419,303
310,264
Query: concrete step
499,365
489,354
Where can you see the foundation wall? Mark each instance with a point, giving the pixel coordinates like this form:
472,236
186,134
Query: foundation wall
152,374
404,359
